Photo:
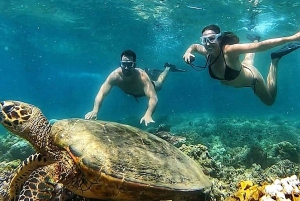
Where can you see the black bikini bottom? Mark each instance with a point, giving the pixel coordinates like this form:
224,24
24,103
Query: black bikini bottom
254,79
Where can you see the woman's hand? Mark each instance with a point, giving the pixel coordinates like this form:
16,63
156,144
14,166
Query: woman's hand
297,36
187,57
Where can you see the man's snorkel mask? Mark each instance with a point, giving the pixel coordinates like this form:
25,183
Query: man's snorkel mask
127,67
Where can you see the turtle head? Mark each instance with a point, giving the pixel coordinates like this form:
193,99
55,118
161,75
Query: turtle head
14,114
20,118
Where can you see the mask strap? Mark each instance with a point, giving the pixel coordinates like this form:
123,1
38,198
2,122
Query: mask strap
198,67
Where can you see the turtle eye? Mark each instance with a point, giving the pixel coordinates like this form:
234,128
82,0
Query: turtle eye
7,109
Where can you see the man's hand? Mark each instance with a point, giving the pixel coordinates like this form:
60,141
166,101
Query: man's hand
148,119
91,115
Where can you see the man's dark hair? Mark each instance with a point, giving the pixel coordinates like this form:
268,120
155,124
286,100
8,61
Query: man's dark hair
227,38
129,53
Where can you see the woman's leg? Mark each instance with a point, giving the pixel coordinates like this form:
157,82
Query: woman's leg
272,78
267,91
249,59
269,96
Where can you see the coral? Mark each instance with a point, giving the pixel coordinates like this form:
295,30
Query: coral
177,141
197,152
9,166
200,154
257,155
232,156
21,150
280,190
164,127
286,150
248,191
234,132
13,147
217,150
160,128
163,131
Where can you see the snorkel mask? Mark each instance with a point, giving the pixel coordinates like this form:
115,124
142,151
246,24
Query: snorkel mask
127,67
211,38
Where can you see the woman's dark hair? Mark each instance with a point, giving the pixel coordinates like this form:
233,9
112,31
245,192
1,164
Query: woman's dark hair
227,38
129,53
212,27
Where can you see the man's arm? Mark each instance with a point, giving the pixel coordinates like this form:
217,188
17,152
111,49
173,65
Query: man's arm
103,91
151,94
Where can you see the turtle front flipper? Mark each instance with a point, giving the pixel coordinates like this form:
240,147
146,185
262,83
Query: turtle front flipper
41,185
11,186
5,177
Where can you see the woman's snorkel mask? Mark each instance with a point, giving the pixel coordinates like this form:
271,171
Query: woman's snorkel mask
127,67
211,38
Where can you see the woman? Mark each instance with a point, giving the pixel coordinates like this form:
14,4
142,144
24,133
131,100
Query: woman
222,51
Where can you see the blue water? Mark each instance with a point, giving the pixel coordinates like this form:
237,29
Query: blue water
56,54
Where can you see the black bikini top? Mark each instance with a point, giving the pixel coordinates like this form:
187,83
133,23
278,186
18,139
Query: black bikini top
230,74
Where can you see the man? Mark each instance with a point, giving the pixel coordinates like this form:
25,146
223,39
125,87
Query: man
133,81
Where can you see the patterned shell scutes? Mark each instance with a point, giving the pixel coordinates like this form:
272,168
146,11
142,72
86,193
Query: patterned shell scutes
127,154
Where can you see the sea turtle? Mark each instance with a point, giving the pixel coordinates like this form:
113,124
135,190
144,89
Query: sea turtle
99,159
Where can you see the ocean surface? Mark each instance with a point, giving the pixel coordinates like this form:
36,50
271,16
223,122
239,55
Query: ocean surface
56,54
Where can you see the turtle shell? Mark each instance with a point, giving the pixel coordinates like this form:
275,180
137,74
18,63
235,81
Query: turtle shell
127,155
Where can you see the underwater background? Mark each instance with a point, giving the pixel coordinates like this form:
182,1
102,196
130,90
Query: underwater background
55,54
